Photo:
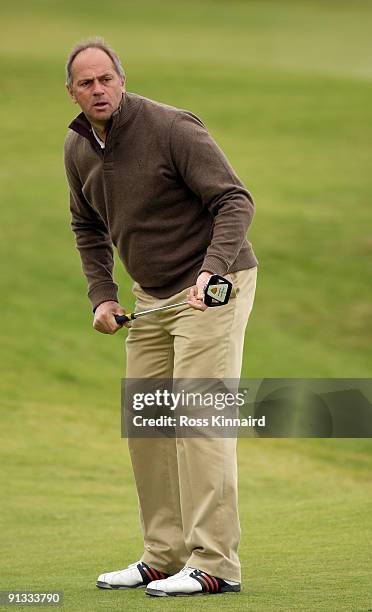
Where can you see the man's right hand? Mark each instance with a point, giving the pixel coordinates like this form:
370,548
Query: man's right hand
104,320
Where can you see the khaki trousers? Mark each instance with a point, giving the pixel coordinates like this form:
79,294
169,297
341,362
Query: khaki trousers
187,487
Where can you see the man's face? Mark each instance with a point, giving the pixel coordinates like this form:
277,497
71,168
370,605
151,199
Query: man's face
96,86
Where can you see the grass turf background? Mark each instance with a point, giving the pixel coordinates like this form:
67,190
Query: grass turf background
285,89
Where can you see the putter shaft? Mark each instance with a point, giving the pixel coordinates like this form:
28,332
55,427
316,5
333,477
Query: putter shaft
120,319
145,312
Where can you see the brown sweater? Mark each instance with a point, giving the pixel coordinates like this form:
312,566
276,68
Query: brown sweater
162,193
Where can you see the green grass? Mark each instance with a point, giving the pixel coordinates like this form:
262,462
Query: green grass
285,88
71,513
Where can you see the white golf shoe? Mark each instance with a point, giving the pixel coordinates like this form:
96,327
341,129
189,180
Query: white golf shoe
190,581
135,576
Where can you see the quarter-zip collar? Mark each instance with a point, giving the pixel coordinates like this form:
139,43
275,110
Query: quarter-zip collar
130,104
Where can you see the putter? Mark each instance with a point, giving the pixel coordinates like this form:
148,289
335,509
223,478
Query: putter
216,293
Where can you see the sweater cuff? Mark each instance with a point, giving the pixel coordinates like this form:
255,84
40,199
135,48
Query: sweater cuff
104,292
214,265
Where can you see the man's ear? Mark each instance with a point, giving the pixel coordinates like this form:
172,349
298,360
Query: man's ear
71,93
123,82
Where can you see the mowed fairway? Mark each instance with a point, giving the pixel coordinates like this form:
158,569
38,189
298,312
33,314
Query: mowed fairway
285,88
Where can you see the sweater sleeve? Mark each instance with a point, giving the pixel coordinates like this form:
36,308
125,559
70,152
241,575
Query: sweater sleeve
206,171
92,241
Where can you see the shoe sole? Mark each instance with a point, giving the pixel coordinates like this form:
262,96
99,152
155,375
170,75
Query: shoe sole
117,587
156,593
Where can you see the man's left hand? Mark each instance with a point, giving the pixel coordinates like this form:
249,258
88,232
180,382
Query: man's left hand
195,297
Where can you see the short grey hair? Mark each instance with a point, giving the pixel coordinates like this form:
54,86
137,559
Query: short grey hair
93,43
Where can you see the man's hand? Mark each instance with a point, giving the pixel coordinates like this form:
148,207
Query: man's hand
195,297
104,320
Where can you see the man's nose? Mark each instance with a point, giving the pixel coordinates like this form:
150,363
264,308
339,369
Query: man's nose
97,87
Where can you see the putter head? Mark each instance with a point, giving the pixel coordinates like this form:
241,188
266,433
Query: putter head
217,291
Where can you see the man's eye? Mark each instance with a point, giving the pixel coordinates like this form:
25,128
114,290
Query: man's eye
107,79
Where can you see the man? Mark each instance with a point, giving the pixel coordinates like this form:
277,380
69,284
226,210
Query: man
148,179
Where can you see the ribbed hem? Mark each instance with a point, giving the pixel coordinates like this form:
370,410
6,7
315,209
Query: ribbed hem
245,260
104,292
214,265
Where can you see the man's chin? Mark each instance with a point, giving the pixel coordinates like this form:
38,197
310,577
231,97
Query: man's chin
102,116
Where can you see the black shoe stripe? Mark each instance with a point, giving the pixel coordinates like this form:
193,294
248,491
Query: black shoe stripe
202,581
150,573
146,575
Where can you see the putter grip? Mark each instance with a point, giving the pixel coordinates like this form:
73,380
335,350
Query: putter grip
120,319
